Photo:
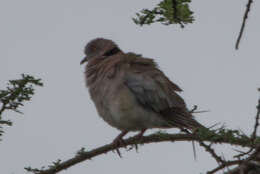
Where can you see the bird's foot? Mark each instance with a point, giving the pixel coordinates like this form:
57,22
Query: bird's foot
140,135
119,142
138,138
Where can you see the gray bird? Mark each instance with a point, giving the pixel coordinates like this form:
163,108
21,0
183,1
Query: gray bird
130,92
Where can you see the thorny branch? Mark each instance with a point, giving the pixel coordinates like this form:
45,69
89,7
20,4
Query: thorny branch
212,152
16,93
248,6
157,137
246,164
223,165
253,136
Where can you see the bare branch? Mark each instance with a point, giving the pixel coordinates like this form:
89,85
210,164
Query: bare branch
243,23
222,166
212,152
256,121
253,136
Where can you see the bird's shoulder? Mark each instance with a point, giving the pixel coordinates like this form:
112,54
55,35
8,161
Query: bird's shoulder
141,68
136,61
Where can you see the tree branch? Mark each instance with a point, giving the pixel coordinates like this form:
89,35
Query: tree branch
222,166
256,121
243,23
251,163
83,155
16,93
208,148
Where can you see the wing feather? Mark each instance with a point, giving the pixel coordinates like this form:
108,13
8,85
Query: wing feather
151,87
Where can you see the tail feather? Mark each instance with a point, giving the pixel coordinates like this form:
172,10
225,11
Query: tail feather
177,117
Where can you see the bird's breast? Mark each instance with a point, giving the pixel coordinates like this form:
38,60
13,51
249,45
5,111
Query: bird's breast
118,106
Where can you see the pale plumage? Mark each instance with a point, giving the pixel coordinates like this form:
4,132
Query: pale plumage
130,92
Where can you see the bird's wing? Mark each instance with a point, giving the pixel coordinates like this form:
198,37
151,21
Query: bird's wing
151,87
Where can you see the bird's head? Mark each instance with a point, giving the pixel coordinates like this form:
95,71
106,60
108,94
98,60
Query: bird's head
98,48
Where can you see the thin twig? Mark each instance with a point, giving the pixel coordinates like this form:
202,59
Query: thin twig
256,121
222,166
246,162
212,152
2,109
253,155
253,136
243,23
199,112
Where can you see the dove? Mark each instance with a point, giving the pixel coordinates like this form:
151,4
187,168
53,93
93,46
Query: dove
131,93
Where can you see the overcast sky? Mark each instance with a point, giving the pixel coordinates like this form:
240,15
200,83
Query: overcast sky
46,39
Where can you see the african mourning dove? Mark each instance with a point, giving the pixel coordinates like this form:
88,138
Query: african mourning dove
130,92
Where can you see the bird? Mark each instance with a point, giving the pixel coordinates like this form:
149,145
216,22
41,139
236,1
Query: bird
131,93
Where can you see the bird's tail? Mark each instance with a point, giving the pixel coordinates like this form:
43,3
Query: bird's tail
178,117
182,119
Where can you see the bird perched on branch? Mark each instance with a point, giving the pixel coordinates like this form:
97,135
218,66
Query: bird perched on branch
130,92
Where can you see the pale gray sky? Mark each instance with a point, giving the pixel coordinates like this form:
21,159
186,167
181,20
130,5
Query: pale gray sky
46,39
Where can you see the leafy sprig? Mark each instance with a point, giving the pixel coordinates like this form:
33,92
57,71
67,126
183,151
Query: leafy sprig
166,12
17,92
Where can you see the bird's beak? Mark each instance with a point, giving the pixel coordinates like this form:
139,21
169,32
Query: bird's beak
84,60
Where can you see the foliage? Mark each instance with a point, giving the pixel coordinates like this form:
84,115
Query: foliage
166,12
17,92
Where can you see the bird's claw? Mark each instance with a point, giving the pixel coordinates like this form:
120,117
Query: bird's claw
119,142
138,138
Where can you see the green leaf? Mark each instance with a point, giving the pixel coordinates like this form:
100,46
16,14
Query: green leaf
165,14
